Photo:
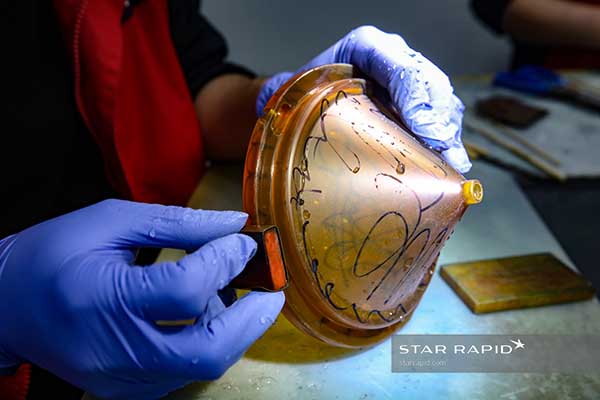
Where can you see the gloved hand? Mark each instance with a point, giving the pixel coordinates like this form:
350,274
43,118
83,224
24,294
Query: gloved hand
420,91
72,302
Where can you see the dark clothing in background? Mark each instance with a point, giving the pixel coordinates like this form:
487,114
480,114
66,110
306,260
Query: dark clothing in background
491,13
51,164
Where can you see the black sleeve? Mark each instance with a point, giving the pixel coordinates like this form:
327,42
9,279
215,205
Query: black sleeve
201,48
490,12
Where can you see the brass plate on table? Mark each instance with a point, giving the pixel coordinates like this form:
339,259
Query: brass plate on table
516,282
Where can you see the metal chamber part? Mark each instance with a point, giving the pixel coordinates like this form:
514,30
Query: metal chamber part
362,207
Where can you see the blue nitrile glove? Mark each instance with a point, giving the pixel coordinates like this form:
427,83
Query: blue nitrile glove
530,79
420,91
72,302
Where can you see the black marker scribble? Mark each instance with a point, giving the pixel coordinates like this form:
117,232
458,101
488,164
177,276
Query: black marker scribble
328,288
414,234
337,96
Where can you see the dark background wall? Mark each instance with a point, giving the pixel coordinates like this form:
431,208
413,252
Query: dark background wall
270,36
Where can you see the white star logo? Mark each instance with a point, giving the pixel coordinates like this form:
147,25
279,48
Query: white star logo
518,344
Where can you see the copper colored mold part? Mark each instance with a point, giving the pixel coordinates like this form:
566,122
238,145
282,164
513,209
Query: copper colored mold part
363,209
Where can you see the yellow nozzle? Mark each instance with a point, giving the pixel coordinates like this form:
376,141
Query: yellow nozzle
472,191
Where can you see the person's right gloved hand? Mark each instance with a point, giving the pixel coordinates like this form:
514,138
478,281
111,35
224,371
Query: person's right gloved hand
72,302
420,91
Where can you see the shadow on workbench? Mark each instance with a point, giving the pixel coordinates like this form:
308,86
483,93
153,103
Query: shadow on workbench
572,212
284,343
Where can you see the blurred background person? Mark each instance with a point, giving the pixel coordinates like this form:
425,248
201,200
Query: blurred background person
551,33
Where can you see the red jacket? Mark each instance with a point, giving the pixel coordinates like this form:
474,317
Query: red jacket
132,95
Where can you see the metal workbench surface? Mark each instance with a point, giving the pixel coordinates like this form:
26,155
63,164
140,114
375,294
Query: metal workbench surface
287,364
569,133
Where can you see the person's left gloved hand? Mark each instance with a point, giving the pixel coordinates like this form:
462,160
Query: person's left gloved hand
73,302
420,91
